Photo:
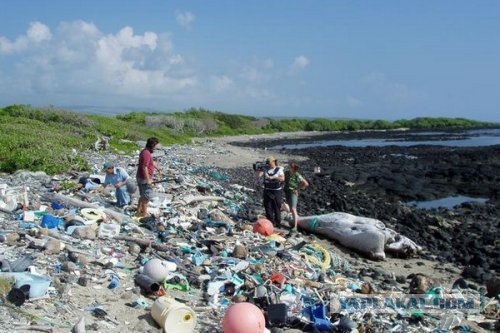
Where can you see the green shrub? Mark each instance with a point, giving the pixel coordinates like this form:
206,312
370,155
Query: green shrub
45,139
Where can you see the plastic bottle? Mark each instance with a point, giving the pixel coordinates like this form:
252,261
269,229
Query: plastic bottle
172,316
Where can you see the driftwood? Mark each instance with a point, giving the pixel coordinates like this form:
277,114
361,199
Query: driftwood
35,328
189,199
67,201
145,243
157,247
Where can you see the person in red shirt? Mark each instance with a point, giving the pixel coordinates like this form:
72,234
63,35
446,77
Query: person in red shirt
145,172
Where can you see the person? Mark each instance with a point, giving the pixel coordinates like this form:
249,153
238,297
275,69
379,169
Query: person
145,172
273,197
122,182
294,182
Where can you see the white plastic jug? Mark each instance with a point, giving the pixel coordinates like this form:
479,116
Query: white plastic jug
172,316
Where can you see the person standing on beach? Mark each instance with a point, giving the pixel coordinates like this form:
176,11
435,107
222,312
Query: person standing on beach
145,172
273,197
294,182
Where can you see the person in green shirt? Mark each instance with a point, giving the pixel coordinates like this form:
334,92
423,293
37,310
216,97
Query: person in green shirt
294,182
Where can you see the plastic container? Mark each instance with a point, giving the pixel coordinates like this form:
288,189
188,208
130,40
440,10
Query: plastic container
317,315
172,316
109,230
93,214
38,284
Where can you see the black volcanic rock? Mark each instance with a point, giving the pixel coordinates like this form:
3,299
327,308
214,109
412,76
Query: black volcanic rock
384,177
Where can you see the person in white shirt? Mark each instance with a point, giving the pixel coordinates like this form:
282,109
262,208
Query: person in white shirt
274,177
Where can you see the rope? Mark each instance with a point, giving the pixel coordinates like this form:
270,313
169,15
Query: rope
321,259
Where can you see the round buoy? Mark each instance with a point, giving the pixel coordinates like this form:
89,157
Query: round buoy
263,227
158,269
243,318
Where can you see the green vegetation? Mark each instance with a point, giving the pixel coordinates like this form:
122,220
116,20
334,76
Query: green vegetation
49,139
42,139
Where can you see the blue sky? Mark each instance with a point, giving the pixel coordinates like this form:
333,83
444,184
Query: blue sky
356,59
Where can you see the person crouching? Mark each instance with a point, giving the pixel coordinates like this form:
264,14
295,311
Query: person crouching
122,182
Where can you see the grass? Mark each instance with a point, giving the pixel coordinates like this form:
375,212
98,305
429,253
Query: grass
50,139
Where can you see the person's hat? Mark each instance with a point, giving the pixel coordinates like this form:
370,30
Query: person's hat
270,159
108,165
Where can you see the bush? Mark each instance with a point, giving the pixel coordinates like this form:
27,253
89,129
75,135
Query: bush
43,139
32,145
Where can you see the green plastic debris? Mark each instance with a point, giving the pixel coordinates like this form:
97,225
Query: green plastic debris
181,287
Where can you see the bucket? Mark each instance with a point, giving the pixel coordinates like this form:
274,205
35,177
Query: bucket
172,316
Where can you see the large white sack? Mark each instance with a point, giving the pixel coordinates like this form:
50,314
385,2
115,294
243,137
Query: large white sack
366,235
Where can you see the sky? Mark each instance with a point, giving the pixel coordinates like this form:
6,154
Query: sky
386,59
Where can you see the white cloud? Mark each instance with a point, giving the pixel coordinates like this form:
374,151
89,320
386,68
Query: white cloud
79,59
176,59
184,19
221,83
391,92
257,71
254,74
75,63
353,102
299,64
36,34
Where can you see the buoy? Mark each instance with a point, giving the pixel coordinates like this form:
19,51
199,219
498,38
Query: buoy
263,227
243,318
158,269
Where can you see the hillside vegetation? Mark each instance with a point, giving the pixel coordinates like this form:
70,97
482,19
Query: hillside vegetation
49,139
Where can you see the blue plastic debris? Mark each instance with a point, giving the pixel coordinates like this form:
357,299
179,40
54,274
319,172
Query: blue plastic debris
115,282
354,286
317,315
56,205
24,225
50,221
198,258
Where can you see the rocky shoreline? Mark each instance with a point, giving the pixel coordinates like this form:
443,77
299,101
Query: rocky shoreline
376,181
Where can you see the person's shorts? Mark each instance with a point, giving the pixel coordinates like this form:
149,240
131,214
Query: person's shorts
292,198
145,190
